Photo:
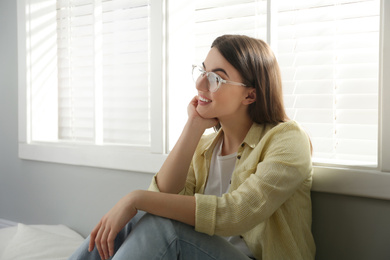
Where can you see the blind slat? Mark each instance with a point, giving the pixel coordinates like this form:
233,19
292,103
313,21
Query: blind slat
328,54
103,61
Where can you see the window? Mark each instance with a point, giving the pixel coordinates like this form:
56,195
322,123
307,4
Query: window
92,82
193,25
329,56
106,82
100,46
103,71
328,52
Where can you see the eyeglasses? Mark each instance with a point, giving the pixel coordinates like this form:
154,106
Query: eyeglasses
214,80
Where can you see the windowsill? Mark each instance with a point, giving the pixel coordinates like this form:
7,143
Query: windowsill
355,182
118,158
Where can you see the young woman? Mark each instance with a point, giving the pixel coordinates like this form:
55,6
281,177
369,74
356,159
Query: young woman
240,193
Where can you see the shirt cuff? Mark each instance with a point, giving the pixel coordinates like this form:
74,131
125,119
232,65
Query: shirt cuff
205,214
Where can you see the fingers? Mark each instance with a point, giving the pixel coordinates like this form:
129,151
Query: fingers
104,239
103,235
193,104
111,242
98,242
104,245
195,99
93,237
98,238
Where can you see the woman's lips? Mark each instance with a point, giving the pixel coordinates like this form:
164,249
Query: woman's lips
203,100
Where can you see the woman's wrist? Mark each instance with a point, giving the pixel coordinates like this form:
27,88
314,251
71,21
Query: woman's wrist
135,199
194,128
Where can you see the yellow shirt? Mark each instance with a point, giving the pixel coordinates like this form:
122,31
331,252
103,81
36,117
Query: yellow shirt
268,202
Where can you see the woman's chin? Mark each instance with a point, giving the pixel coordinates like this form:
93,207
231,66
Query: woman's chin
203,113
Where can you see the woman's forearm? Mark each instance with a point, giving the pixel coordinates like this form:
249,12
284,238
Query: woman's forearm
173,173
172,206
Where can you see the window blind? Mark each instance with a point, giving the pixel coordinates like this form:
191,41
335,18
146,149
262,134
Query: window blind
203,22
328,52
215,18
103,67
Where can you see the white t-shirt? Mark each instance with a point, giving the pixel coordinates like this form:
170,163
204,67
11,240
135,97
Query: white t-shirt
218,183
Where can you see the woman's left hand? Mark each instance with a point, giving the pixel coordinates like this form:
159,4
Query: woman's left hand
104,234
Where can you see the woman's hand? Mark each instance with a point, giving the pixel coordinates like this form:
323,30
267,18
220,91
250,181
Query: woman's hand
194,116
104,234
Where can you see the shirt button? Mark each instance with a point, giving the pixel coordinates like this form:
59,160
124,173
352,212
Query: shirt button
238,156
243,144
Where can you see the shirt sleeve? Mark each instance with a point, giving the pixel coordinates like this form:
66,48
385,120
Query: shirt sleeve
189,188
278,166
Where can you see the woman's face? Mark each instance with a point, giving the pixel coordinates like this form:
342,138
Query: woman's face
229,101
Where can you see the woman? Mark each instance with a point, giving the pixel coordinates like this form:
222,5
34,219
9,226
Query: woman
240,193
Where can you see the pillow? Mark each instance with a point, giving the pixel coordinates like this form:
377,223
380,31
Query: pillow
42,242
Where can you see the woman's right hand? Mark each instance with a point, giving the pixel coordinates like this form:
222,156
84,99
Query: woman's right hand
194,117
105,232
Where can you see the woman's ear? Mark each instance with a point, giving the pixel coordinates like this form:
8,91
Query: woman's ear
251,96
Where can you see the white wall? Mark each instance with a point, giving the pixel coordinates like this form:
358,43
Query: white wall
344,227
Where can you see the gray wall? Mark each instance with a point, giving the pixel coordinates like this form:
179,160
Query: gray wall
32,192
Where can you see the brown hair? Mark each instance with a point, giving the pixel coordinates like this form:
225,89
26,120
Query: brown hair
257,65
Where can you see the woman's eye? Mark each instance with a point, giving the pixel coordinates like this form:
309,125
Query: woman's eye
214,78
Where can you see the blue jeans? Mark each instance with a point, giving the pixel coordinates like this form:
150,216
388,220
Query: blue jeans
151,237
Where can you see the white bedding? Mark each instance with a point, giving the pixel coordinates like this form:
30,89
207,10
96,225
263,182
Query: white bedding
38,242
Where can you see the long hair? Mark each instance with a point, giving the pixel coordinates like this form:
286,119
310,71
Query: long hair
258,67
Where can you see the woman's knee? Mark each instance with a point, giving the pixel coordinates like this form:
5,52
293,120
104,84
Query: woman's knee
151,238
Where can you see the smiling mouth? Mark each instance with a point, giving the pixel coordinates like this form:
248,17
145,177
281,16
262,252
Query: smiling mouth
204,99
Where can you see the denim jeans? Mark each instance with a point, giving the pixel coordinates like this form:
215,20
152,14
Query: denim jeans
151,237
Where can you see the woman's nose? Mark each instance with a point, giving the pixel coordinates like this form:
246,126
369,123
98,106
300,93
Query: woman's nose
202,83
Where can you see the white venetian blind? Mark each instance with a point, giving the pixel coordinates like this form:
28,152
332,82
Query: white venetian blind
204,20
218,17
103,68
328,52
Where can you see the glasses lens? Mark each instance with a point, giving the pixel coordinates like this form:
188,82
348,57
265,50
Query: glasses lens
214,81
196,73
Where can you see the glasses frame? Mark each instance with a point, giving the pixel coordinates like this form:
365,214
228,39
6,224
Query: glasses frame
219,80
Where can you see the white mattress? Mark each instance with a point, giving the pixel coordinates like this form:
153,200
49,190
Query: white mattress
37,242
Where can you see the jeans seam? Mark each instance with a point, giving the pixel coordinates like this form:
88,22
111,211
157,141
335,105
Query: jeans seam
169,246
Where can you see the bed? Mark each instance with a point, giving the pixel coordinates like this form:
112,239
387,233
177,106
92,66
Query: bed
21,242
